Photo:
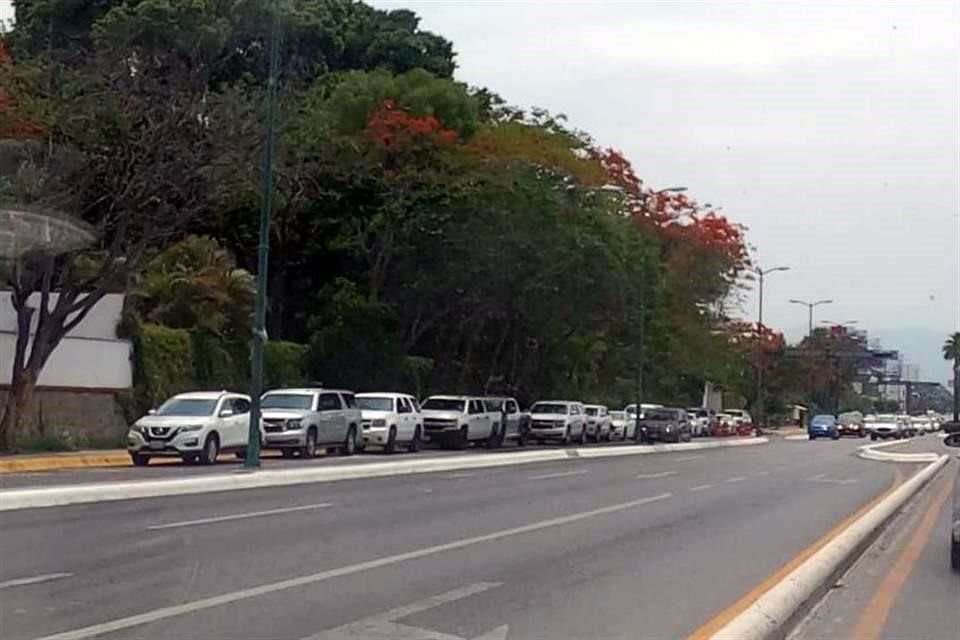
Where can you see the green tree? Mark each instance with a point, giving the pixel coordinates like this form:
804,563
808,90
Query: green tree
951,351
195,284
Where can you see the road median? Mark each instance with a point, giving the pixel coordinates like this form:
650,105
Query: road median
28,498
771,614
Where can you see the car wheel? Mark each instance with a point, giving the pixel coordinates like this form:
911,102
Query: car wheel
955,555
566,438
287,453
812,437
522,439
583,435
414,445
391,445
835,437
189,458
462,438
349,446
139,460
873,436
862,434
309,450
211,449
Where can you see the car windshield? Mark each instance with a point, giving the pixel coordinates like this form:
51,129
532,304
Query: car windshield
618,415
592,411
297,401
375,403
547,407
187,407
822,420
443,404
660,414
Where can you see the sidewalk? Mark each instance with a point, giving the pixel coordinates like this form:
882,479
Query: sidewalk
66,460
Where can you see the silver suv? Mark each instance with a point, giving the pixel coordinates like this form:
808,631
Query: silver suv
302,420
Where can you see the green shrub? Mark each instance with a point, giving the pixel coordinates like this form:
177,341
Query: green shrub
283,364
43,444
219,364
164,363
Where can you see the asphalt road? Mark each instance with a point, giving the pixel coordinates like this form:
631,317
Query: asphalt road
902,587
633,547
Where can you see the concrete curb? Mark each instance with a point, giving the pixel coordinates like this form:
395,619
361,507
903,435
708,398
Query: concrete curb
870,452
109,491
770,615
23,464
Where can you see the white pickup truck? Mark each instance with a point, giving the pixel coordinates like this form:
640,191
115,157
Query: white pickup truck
301,420
456,421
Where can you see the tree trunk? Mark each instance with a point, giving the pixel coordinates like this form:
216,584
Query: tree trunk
956,391
18,400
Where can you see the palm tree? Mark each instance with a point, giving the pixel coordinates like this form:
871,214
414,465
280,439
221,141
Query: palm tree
951,351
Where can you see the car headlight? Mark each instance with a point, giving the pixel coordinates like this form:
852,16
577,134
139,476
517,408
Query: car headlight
191,427
379,422
293,425
669,428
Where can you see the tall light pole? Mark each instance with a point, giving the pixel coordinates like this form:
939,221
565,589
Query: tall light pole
252,458
762,273
810,306
642,306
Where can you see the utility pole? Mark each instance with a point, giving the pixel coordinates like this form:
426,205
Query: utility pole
252,458
642,306
760,399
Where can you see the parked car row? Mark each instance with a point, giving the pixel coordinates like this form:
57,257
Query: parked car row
199,426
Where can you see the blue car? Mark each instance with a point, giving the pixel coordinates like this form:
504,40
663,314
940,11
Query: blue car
823,426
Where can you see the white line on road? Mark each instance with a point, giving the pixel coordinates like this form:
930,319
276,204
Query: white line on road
687,458
735,479
385,625
235,596
238,516
20,582
559,475
700,487
457,476
661,474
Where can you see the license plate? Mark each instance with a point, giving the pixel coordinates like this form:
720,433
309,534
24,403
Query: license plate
157,445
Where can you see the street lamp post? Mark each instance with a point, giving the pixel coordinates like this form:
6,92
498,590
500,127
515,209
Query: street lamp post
642,306
810,306
761,273
252,458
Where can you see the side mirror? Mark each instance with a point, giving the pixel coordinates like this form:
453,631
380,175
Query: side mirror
226,413
952,440
151,412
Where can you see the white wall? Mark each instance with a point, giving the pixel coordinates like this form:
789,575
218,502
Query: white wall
89,357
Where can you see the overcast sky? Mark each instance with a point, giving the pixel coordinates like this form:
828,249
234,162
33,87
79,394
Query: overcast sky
831,131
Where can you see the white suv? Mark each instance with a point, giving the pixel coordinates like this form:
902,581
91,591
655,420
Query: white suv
561,420
194,426
459,420
301,420
389,419
598,422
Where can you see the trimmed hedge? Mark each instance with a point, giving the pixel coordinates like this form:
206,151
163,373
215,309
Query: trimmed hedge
170,361
164,363
283,364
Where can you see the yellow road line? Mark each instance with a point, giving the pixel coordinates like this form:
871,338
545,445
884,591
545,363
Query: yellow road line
83,461
874,616
723,617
